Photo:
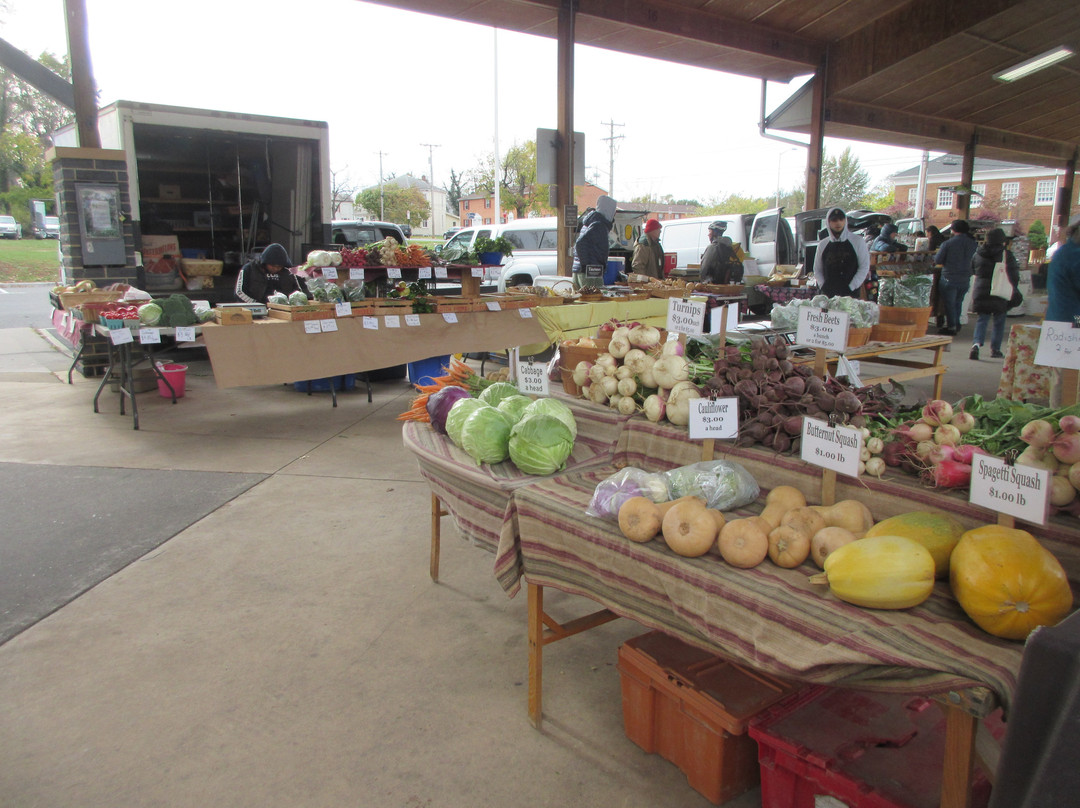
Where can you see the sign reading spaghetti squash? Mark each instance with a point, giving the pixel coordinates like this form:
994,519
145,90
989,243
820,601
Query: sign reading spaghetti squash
1019,491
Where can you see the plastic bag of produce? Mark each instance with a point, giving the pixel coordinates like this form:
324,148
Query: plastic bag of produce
908,291
624,484
721,483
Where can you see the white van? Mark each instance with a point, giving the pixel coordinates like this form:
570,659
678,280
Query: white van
765,237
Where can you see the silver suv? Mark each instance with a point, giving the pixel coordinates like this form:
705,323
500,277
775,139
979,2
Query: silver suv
9,228
359,233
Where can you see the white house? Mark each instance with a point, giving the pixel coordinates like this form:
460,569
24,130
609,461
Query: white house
442,220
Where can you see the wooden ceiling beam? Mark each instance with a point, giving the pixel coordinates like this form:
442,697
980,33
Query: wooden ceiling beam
903,34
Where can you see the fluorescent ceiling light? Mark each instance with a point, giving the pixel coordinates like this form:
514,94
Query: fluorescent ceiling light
1035,64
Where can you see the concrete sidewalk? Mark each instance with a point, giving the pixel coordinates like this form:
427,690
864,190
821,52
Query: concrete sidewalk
282,643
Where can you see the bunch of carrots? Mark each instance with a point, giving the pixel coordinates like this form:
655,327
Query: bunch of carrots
458,375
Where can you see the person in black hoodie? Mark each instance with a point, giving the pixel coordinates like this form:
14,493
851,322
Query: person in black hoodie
986,305
267,274
842,260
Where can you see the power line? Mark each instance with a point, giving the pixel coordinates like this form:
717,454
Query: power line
611,153
431,180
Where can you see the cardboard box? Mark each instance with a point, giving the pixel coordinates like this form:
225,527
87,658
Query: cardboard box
233,316
156,247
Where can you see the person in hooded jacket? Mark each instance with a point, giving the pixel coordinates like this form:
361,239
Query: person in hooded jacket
1063,290
842,259
992,252
592,245
267,274
719,263
954,257
886,240
648,253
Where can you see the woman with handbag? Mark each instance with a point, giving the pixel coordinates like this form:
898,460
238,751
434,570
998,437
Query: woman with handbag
997,276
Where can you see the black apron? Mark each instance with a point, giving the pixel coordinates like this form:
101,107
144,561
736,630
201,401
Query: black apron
839,263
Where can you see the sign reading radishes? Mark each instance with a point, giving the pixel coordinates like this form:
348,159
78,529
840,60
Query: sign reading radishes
1059,346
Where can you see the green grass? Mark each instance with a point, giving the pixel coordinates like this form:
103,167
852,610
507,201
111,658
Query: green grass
29,260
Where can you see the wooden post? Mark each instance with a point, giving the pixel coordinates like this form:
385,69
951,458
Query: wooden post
1070,386
436,537
1065,197
564,151
967,171
959,758
536,654
82,74
815,153
708,446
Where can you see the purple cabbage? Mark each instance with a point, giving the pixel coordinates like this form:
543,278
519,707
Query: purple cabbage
439,404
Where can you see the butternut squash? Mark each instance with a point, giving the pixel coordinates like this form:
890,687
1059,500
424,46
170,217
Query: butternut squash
826,540
744,543
788,546
664,507
689,529
849,514
883,572
779,501
639,519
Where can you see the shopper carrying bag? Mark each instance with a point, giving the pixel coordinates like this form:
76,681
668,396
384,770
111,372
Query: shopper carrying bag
988,299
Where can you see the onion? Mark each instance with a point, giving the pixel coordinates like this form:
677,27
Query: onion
1037,433
937,412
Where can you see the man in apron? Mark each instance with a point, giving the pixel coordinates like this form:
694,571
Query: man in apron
842,260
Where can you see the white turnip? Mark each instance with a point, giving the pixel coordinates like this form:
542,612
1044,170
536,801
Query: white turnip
620,343
673,348
1061,492
937,412
627,387
1066,447
1038,458
875,445
635,360
1037,433
610,385
875,467
581,373
627,405
654,407
623,372
647,378
644,336
669,370
678,406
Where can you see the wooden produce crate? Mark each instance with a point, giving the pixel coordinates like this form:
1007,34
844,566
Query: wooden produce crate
511,301
71,299
391,305
892,332
233,315
721,288
311,311
197,267
364,309
666,291
454,304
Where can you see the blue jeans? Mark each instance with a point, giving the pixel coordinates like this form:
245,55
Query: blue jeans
952,292
996,336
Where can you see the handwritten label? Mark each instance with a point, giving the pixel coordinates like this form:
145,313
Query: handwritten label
343,309
1020,491
526,314
392,320
330,273
1059,346
717,419
493,305
148,336
412,319
120,336
830,447
478,272
185,333
450,317
371,323
394,273
822,329
717,318
328,325
532,378
312,327
440,272
356,273
423,273
685,316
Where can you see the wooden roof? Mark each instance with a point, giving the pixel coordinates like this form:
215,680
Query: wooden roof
913,73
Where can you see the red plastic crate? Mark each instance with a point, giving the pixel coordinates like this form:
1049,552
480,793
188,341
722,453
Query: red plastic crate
692,708
866,750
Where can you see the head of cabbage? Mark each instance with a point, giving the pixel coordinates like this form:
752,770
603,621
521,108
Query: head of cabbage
495,393
485,435
514,407
556,409
540,444
455,419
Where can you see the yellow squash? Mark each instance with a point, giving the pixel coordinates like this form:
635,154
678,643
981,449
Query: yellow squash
937,532
1007,582
883,572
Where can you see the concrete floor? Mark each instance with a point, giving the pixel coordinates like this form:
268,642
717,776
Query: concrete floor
283,645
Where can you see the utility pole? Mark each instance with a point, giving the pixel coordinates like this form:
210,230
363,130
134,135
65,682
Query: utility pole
497,219
611,153
382,216
431,178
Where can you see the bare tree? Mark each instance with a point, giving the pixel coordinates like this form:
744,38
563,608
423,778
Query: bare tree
342,189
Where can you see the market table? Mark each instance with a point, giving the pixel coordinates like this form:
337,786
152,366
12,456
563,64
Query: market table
881,353
573,320
281,351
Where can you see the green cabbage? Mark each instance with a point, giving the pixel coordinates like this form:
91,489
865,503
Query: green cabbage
514,407
298,299
485,435
150,314
540,444
455,419
497,392
556,409
280,298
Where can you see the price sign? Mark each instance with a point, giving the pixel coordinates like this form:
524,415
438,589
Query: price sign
392,320
424,273
412,319
120,336
685,316
493,305
185,333
532,378
716,317
449,316
526,314
148,336
356,273
394,273
371,323
328,325
312,327
330,273
822,329
343,309
478,272
1059,346
440,272
1020,491
717,418
831,447
594,274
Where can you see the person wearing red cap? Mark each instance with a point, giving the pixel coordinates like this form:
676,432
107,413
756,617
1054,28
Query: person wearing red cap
648,254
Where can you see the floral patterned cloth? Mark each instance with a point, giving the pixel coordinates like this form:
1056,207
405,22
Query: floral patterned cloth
784,294
1021,378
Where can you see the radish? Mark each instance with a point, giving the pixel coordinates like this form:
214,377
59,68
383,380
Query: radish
950,474
924,448
875,467
940,454
937,412
963,421
1038,458
875,445
1066,447
965,453
1037,433
1074,475
1069,424
947,434
920,431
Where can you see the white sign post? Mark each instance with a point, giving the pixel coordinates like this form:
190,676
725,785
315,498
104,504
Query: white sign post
686,316
835,448
716,419
1022,492
1059,346
533,378
827,330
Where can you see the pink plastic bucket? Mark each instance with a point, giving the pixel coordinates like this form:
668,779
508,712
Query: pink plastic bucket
177,376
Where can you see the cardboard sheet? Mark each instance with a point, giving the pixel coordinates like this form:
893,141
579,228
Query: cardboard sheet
279,351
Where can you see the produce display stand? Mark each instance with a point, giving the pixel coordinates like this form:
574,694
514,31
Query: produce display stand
881,353
583,319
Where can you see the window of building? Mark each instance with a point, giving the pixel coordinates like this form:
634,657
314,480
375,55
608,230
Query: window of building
944,199
466,204
487,221
978,191
1044,192
487,203
1009,191
912,196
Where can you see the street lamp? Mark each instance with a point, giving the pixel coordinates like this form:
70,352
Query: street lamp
779,161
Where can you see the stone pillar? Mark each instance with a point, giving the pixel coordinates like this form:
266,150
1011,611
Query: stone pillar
106,166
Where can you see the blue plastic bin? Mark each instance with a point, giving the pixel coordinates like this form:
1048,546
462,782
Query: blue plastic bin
346,382
424,371
612,270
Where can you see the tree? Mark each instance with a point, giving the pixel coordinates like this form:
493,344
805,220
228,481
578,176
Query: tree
454,192
843,181
518,190
342,190
879,198
1037,235
400,205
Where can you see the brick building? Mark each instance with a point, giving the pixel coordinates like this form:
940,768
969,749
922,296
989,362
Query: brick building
480,208
1000,190
664,212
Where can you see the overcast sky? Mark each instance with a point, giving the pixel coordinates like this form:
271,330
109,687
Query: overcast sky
388,80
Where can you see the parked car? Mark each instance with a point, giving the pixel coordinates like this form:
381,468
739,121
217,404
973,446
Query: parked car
51,229
766,237
407,230
9,228
449,234
358,233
